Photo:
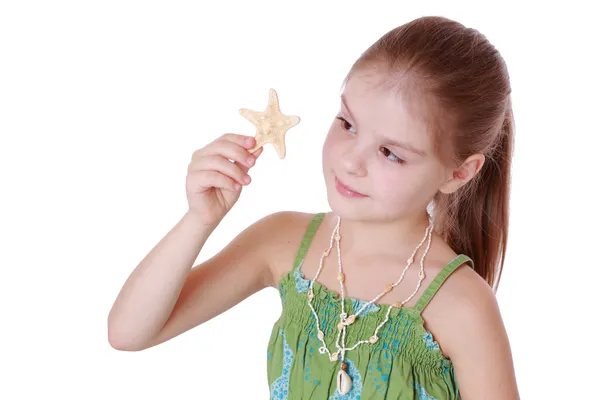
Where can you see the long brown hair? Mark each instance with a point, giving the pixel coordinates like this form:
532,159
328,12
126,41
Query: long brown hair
464,82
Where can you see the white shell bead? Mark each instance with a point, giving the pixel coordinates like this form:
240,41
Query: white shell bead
344,383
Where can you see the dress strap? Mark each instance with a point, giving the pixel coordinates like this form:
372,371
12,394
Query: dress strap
440,279
307,239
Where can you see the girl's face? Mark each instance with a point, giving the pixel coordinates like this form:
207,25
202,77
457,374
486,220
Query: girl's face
377,158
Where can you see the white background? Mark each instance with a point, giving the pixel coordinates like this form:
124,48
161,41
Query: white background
103,103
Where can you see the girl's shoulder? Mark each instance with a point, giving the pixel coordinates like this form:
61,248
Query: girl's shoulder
465,302
279,235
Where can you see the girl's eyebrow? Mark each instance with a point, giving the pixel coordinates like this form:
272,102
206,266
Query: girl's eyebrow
347,108
407,147
393,142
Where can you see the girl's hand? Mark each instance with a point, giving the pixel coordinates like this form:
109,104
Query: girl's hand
216,175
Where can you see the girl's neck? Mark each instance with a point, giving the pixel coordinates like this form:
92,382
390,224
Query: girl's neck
382,236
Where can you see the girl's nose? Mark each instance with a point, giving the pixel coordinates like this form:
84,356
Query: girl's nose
354,163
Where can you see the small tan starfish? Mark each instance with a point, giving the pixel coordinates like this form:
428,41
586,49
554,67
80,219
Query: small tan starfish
271,124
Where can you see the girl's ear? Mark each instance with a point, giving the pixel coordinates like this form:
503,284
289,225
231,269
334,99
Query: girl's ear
463,174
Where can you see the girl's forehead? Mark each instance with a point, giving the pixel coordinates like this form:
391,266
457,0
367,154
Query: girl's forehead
382,108
397,88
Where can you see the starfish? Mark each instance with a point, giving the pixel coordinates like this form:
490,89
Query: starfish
271,125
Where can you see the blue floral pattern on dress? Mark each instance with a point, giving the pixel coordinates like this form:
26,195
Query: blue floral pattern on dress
358,304
302,284
280,386
423,395
429,342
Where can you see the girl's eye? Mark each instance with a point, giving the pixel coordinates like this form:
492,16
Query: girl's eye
391,156
384,150
346,125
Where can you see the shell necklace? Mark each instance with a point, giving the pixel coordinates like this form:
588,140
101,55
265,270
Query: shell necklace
344,382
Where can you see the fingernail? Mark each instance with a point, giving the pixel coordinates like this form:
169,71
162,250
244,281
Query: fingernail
250,160
248,140
247,179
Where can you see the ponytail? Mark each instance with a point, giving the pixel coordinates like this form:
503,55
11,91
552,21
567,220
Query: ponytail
474,220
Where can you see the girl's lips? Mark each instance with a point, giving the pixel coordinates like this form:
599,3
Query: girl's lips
346,191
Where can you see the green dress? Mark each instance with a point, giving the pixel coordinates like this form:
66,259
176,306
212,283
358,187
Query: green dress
405,363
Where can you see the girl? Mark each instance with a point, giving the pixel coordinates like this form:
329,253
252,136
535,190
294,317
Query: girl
417,167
